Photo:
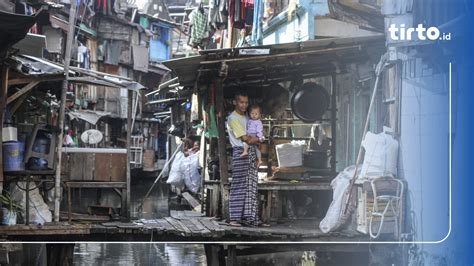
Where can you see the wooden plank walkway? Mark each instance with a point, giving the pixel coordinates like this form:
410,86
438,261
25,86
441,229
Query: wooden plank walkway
180,226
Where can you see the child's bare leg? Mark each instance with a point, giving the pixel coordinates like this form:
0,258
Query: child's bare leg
246,150
259,157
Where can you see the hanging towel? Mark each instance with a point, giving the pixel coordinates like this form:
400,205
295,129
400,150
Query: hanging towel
257,30
199,29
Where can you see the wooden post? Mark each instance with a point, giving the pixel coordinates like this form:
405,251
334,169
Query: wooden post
214,254
62,109
203,151
60,254
221,147
333,123
3,100
126,208
230,34
231,255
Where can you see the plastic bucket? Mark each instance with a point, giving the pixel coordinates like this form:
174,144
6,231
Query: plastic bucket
8,217
13,156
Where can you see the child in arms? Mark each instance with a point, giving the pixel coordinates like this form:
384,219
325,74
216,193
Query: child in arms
254,128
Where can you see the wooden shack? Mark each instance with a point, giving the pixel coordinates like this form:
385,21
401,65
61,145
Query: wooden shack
271,75
24,88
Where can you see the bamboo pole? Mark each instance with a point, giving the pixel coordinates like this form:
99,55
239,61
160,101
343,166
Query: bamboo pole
62,109
350,192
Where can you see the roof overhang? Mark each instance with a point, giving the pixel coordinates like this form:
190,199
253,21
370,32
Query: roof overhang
271,64
13,28
29,68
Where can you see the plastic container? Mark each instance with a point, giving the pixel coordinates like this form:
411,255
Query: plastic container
41,144
8,217
13,156
315,159
9,134
289,155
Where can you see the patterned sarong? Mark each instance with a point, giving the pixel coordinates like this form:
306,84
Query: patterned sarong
243,188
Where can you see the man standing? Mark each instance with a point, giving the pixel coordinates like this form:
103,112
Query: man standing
243,187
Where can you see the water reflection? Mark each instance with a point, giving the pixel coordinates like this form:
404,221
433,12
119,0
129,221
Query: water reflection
139,254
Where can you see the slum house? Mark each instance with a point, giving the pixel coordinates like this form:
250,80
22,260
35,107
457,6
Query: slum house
354,110
273,76
411,74
111,52
94,104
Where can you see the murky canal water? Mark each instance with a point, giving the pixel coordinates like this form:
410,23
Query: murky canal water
139,254
155,206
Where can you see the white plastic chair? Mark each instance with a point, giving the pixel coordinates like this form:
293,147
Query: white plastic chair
392,202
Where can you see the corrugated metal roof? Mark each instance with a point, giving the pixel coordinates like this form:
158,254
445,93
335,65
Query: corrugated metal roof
38,67
34,66
284,61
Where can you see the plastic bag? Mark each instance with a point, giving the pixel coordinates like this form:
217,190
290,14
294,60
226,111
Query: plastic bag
39,212
191,176
339,186
381,155
175,176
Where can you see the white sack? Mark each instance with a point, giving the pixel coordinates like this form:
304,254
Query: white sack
339,186
191,176
39,211
381,155
175,176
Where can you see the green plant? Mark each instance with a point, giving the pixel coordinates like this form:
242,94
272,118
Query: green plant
7,202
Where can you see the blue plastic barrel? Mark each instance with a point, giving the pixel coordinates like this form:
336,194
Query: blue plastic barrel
13,156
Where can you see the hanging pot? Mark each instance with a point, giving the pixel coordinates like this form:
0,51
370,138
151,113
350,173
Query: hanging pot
310,102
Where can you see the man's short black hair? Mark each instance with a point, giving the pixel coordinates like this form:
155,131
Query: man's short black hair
240,93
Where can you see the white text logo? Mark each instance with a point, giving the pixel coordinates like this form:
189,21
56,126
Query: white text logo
402,34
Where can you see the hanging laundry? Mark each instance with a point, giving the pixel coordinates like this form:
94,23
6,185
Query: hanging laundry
218,13
212,131
235,14
83,56
194,107
102,6
257,30
241,13
199,29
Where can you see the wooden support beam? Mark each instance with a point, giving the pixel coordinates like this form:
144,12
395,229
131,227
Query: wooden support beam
23,91
98,74
221,147
26,80
129,155
3,100
18,103
60,254
194,203
273,57
62,111
333,123
231,255
214,254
